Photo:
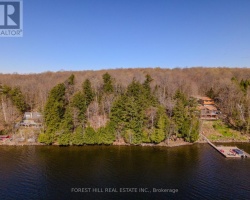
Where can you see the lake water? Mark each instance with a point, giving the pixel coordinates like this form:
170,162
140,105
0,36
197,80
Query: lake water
105,172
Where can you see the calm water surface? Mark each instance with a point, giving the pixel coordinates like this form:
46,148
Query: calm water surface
197,171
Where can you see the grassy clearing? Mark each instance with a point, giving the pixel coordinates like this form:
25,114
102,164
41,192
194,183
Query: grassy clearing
220,131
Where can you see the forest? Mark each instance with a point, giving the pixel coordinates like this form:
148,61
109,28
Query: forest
125,105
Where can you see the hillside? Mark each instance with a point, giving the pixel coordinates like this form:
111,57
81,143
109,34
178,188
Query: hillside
162,94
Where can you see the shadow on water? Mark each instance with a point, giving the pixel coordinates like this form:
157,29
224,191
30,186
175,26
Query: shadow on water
50,172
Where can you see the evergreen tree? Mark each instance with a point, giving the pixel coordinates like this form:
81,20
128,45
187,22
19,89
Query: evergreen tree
18,99
53,113
69,88
108,83
79,102
179,114
67,121
106,135
88,92
48,137
180,96
147,82
129,136
160,131
128,113
64,138
146,134
71,79
90,136
211,94
77,137
147,91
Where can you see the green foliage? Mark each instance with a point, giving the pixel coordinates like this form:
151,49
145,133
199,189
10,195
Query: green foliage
244,84
67,121
106,135
18,99
127,112
131,113
225,132
147,91
54,112
180,96
80,104
71,79
190,130
210,93
48,137
6,90
77,136
185,118
146,133
44,138
64,139
160,131
179,113
141,93
90,136
108,83
129,136
88,92
147,82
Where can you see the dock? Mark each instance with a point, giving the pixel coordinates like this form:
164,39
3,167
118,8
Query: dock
227,151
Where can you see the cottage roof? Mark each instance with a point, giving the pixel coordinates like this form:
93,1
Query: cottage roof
209,107
33,115
201,107
206,98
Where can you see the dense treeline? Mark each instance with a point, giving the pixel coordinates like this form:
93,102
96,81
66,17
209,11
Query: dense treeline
133,114
135,105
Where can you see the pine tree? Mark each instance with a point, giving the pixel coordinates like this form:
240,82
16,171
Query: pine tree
146,134
67,121
53,113
108,83
79,102
90,136
180,96
129,114
150,98
160,131
64,139
18,99
179,114
88,92
69,88
106,135
77,137
211,94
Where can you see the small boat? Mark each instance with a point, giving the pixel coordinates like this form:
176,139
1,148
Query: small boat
2,137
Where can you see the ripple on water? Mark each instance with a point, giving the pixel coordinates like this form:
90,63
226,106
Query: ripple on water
197,171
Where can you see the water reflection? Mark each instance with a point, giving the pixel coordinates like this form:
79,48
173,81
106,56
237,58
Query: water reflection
197,171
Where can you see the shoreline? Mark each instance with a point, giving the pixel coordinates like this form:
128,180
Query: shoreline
162,144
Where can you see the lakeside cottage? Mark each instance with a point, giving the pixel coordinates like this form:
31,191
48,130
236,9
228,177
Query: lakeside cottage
32,119
208,110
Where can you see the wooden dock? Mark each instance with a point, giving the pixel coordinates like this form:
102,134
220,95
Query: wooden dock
227,151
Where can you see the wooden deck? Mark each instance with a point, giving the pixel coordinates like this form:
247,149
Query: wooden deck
226,151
